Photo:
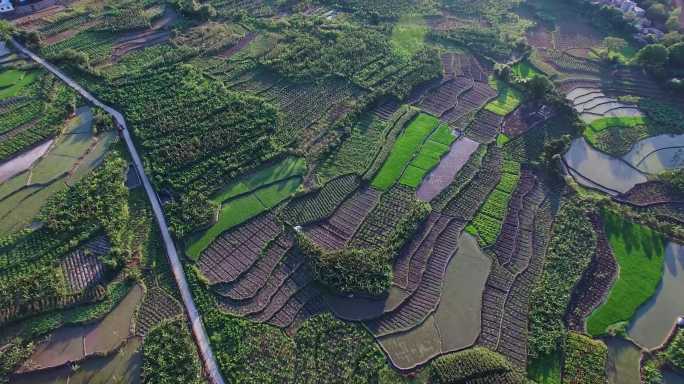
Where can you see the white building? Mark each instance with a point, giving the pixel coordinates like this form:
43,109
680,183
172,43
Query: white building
6,6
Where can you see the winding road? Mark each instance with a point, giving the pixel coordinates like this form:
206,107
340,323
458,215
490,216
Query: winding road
198,330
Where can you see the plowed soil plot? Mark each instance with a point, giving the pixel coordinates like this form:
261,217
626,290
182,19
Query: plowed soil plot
470,101
386,109
595,283
506,297
235,251
457,65
651,193
335,231
485,127
442,176
83,267
446,96
321,203
456,322
524,119
576,37
139,40
157,306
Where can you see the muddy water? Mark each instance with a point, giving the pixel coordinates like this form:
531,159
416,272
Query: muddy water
23,161
444,173
654,320
122,366
608,172
623,363
69,344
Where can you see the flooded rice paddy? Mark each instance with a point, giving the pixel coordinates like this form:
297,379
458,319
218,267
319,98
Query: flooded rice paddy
624,359
440,177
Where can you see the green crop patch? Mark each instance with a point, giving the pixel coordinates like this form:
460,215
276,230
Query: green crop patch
524,70
273,194
404,149
640,252
507,100
489,218
593,129
412,176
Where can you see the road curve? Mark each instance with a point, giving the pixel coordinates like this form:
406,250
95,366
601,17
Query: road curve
195,320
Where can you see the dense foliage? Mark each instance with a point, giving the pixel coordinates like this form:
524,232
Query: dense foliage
675,351
585,360
569,252
476,363
169,355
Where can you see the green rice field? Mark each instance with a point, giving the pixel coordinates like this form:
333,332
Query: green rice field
640,252
508,99
404,150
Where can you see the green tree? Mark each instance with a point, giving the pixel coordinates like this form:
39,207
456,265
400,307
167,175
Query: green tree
6,30
652,55
657,12
676,55
614,44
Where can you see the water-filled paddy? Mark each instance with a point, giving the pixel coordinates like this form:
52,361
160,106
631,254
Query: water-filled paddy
657,154
444,173
654,320
624,358
601,169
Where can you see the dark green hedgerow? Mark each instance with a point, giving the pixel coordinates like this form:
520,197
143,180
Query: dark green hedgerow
569,253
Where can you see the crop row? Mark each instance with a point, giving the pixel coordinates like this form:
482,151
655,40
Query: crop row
235,251
487,223
651,193
455,65
19,115
335,231
446,96
593,287
467,202
83,267
485,127
469,102
570,64
156,307
321,203
391,208
97,45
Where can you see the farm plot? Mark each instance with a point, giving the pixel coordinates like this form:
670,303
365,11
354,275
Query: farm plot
640,252
509,287
449,328
428,157
156,307
485,127
321,203
568,66
69,157
508,98
525,118
285,297
592,105
234,251
391,209
469,102
83,267
443,175
337,230
652,193
404,150
585,360
249,196
474,366
595,283
488,221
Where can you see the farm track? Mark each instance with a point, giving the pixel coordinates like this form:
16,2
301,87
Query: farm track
194,317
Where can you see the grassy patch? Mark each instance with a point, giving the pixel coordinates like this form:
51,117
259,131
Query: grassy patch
430,154
13,81
640,252
507,100
524,70
404,148
273,194
408,35
502,139
597,126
